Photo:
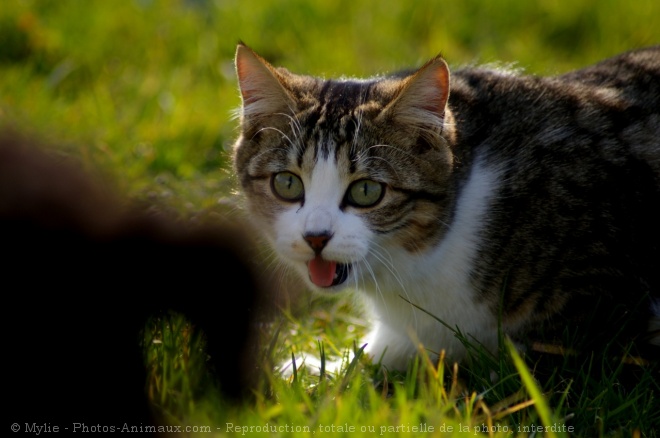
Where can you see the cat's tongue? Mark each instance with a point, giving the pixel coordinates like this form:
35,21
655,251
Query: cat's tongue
322,272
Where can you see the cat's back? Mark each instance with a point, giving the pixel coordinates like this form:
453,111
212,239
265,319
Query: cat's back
613,105
630,83
634,74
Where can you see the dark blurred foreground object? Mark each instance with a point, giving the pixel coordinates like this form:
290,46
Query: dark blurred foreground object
81,275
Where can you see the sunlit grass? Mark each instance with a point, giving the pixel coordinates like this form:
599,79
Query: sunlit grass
495,396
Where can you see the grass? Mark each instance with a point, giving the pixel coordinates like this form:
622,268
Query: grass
574,398
142,91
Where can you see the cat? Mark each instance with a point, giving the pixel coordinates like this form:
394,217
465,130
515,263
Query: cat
83,270
472,204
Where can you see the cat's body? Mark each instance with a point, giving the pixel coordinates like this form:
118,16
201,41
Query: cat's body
490,200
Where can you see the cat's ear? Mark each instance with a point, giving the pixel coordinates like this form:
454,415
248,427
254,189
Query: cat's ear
422,97
260,86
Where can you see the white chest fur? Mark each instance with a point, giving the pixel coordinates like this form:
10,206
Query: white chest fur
437,282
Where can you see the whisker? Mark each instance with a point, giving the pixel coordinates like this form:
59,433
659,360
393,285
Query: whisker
376,285
389,265
284,136
296,129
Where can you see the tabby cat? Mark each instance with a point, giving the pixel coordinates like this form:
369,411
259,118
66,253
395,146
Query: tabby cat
482,202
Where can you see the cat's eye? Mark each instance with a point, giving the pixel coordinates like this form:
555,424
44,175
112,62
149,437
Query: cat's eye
287,186
365,193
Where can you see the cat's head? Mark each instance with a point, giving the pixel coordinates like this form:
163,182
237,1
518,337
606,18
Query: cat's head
344,176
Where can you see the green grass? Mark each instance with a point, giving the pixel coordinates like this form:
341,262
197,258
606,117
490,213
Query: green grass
586,398
143,91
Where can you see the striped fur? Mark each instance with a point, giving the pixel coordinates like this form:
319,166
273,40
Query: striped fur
491,200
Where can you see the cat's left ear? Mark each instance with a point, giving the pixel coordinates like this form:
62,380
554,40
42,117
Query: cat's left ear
422,98
259,82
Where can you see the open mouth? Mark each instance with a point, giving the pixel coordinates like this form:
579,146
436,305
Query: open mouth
327,273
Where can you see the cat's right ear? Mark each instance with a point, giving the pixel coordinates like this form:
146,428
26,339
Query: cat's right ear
261,90
422,98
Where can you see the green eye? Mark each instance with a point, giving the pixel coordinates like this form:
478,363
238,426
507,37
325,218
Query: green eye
365,193
287,186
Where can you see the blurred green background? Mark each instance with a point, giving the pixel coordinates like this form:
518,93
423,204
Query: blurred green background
145,89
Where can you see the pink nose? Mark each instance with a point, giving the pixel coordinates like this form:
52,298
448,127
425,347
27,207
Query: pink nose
317,241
